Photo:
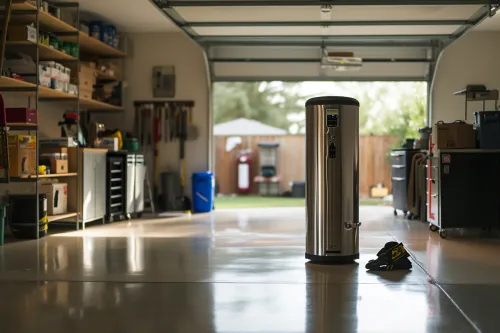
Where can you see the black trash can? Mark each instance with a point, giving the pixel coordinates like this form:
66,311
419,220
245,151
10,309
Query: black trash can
298,189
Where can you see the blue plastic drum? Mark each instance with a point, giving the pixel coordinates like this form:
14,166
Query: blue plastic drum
203,191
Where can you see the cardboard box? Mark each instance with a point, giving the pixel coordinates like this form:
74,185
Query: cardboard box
86,93
86,78
57,197
56,165
21,33
457,135
22,155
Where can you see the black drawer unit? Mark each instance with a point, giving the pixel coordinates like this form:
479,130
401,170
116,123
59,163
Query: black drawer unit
116,186
468,186
400,175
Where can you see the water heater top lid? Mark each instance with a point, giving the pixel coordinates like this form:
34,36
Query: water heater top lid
332,100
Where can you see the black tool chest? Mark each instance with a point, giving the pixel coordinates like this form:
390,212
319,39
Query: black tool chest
116,186
464,189
400,175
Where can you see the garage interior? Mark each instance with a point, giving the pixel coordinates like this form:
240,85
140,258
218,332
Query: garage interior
123,85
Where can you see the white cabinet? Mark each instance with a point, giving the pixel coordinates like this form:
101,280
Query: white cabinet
90,200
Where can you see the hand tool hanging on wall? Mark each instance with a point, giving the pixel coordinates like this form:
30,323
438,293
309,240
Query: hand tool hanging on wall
192,131
137,125
156,133
164,119
185,201
145,122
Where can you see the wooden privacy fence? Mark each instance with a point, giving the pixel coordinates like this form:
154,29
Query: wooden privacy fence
374,166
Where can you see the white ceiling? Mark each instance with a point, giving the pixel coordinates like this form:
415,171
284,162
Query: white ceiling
129,15
327,31
312,13
489,24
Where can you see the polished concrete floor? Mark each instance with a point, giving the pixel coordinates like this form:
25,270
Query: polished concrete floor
244,271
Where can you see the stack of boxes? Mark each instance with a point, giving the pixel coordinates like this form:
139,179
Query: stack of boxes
56,76
87,79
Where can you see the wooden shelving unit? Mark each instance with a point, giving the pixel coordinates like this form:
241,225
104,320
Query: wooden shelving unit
57,175
52,218
45,52
49,93
91,104
8,82
90,48
46,20
95,47
101,76
43,92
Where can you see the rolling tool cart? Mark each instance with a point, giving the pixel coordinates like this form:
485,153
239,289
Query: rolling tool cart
116,186
401,166
463,189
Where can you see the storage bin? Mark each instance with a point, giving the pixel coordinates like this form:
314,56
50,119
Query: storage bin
22,208
487,124
203,191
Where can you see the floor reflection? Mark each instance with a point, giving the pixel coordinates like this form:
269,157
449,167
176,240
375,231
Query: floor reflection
240,272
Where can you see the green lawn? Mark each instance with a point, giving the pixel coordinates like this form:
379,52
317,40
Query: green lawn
262,202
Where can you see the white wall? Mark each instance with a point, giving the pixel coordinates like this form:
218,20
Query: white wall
473,59
192,83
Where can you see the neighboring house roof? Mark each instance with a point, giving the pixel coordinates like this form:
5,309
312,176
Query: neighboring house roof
245,127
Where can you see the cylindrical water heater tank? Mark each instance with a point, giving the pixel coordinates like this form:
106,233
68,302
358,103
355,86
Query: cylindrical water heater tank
332,185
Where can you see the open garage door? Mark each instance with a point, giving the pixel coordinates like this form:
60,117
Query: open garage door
394,40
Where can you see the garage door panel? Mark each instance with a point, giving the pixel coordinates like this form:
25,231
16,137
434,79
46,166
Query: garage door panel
327,31
308,71
338,13
284,52
264,40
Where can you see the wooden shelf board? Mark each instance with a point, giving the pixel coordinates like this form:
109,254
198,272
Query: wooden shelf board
46,20
8,82
90,104
45,52
44,92
22,126
57,175
53,218
95,47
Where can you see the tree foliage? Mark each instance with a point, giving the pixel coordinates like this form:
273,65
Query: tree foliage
267,102
391,108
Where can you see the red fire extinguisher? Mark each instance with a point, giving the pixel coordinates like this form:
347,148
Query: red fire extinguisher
244,162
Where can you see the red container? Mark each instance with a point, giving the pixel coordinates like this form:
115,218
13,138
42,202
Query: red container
22,115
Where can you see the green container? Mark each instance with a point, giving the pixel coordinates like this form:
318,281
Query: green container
3,209
131,145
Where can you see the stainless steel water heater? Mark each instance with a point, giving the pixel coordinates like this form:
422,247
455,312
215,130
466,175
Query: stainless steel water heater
332,185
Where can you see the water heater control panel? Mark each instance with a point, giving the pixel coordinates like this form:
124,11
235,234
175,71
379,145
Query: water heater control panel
332,117
332,121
